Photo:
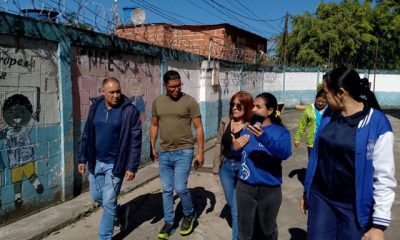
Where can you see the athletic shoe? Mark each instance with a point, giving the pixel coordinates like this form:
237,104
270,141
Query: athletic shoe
187,224
166,231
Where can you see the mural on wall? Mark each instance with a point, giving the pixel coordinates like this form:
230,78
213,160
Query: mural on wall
30,158
19,117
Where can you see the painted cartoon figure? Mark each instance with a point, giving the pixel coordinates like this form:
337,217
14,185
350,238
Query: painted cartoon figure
18,115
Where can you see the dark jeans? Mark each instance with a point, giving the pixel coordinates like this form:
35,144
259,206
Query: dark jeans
331,220
258,205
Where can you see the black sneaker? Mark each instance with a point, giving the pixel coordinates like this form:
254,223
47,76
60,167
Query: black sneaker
187,224
18,202
39,189
166,231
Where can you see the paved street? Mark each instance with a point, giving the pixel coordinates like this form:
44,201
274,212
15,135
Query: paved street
145,203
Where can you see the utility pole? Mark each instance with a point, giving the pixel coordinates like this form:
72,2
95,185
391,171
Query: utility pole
285,40
375,60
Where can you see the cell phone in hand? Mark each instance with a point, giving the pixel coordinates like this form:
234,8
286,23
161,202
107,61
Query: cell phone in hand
257,120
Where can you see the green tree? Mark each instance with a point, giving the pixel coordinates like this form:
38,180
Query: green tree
347,33
387,26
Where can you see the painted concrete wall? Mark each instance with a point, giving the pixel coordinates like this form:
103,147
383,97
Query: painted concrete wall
294,87
30,160
48,73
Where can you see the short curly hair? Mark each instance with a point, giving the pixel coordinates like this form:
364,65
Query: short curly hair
17,99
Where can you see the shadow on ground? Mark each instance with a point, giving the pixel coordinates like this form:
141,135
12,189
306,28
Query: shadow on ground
226,214
301,174
297,234
148,207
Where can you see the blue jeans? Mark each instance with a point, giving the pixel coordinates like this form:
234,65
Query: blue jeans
104,188
229,176
174,174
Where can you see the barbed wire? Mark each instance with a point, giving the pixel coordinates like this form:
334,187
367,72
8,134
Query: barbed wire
81,13
94,16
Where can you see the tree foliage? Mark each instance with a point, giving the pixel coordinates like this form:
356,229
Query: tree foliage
349,33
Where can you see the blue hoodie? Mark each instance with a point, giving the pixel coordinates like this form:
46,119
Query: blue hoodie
261,162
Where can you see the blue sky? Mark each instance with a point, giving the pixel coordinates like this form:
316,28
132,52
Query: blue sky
263,17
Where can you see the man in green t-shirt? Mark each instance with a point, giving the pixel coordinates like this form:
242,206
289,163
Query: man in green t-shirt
173,115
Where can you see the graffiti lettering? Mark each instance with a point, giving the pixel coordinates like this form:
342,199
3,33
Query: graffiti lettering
110,62
113,61
3,75
9,62
96,57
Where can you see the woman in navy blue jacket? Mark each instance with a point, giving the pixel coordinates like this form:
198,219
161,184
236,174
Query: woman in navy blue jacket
350,176
265,144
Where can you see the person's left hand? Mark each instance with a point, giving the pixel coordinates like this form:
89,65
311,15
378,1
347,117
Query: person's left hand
129,175
303,204
198,160
374,234
255,129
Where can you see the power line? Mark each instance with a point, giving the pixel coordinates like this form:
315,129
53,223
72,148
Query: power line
156,11
228,14
266,22
176,14
242,8
208,11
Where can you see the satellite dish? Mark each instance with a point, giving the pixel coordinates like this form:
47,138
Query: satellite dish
138,15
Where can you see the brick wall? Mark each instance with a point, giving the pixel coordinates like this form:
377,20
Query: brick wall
194,40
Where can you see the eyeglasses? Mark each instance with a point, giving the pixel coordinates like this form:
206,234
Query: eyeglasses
175,86
238,106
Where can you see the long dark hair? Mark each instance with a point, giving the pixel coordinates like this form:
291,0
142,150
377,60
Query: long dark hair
348,79
271,102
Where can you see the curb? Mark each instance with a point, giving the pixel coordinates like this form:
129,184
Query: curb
41,224
54,218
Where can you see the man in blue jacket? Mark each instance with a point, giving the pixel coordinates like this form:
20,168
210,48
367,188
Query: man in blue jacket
110,146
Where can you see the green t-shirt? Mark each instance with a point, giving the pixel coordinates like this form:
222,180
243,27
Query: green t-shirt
175,121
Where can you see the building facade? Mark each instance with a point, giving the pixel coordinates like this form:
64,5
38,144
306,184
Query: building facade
219,41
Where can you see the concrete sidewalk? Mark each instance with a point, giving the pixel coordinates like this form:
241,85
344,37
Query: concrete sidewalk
78,218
